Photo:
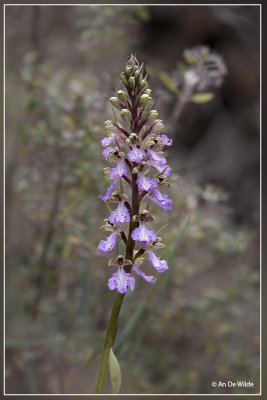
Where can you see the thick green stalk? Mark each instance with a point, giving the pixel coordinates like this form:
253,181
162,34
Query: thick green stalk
110,337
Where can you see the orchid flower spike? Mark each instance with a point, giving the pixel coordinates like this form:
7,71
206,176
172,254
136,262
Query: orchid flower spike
135,146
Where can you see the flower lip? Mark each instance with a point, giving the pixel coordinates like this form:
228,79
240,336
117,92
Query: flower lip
160,265
120,215
121,280
165,140
107,245
145,183
143,234
161,199
136,154
118,171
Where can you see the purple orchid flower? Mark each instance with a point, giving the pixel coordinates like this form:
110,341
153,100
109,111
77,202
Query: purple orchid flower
158,160
107,245
120,215
136,154
166,140
144,235
148,278
121,280
160,265
109,191
146,183
160,168
118,171
107,140
106,151
160,199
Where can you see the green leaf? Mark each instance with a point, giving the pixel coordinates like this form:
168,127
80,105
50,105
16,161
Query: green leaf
202,97
168,82
115,372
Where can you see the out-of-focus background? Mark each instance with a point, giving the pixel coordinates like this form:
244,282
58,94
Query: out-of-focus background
201,322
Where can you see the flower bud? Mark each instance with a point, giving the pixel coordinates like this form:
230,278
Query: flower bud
143,98
123,78
146,101
137,73
111,128
126,115
131,82
142,83
128,70
152,116
115,102
122,96
157,127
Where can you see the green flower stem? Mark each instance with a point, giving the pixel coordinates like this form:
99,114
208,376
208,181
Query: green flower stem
110,337
113,322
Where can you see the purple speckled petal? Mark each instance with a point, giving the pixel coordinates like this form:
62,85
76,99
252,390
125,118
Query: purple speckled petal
166,140
144,235
160,168
148,278
119,170
120,215
107,140
109,191
146,183
159,160
120,280
136,154
107,245
160,265
106,151
161,199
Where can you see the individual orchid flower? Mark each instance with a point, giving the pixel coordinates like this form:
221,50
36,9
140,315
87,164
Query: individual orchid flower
121,280
160,168
160,265
162,200
106,151
109,190
118,171
136,269
166,140
136,154
145,183
157,158
107,245
143,234
120,215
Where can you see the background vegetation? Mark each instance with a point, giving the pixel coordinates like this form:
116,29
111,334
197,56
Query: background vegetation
200,323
